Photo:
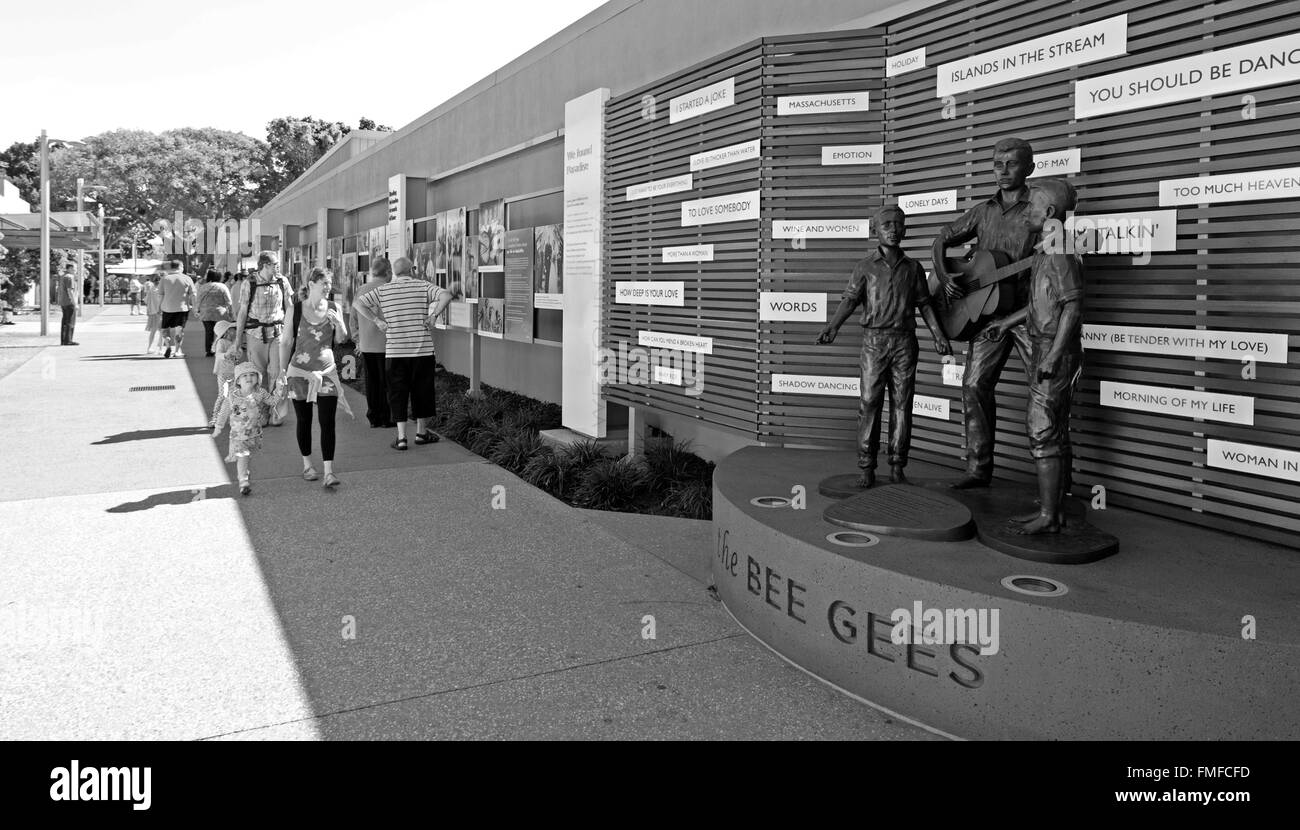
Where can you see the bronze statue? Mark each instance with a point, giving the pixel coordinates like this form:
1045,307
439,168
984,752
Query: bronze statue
1053,317
890,286
1004,240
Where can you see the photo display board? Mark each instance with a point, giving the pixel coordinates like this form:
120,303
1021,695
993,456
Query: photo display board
1177,125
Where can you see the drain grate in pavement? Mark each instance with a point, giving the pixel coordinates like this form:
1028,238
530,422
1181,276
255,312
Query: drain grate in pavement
151,388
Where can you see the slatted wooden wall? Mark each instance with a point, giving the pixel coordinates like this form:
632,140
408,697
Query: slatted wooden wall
1236,267
719,295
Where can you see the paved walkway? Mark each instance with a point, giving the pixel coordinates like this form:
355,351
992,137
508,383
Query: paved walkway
142,597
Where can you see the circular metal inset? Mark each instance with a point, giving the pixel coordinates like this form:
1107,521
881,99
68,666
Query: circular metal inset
770,501
1034,586
852,539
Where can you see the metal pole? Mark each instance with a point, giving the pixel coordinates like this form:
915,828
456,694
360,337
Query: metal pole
45,235
102,272
81,254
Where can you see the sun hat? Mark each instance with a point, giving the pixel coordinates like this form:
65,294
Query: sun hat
221,328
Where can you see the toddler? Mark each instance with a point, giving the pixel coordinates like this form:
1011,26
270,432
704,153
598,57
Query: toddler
244,406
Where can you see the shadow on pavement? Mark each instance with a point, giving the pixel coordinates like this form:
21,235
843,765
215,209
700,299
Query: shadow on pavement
98,357
147,434
224,491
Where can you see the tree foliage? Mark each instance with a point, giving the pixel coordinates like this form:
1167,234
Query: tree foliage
292,146
367,124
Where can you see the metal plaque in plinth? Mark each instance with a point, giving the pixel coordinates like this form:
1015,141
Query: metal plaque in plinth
904,510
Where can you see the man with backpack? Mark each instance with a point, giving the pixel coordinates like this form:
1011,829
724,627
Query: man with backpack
265,307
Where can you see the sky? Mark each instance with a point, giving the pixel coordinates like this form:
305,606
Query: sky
89,67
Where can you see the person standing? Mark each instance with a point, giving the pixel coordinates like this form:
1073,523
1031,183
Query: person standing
370,340
264,307
68,303
312,374
399,309
998,224
133,294
214,305
153,312
177,291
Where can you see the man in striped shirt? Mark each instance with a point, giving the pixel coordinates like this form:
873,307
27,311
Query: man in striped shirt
399,309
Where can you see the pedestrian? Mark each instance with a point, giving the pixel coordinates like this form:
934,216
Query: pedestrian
313,375
228,357
177,296
213,305
370,341
133,288
153,312
244,408
237,286
5,307
263,309
68,302
400,310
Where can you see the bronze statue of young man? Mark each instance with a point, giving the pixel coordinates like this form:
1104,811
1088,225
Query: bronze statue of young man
998,225
890,286
1054,318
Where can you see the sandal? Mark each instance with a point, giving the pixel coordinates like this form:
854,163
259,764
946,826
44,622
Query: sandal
399,444
427,438
245,487
310,474
331,481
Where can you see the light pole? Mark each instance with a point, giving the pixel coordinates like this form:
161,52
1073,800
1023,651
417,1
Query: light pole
82,187
45,234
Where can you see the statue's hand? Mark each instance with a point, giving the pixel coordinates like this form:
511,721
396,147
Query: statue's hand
943,347
951,290
1047,367
827,335
995,331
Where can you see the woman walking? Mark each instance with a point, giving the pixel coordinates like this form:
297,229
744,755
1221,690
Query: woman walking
152,311
312,376
133,292
214,305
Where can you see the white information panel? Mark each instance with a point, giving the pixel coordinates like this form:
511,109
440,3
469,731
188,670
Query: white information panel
659,187
794,306
680,342
736,207
824,102
1256,460
1224,345
906,62
650,293
668,374
1059,163
821,229
1283,183
953,374
854,154
938,201
748,151
706,99
1125,233
1185,403
688,253
1060,50
924,406
845,387
1264,63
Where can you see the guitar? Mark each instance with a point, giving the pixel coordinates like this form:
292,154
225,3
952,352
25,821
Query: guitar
984,298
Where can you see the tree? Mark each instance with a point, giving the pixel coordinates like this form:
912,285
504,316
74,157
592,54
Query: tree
22,165
292,146
367,124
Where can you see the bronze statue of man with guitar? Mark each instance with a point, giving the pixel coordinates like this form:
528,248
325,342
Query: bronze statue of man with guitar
889,286
991,282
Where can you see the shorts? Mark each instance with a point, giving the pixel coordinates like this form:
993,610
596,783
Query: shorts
411,378
174,319
1047,416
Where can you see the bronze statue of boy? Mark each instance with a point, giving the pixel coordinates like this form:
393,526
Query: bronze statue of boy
890,286
1053,318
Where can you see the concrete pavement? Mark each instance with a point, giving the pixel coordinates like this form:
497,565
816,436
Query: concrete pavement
142,597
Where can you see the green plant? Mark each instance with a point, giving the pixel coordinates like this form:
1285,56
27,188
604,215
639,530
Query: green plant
585,453
610,484
668,462
549,470
483,439
518,445
691,499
